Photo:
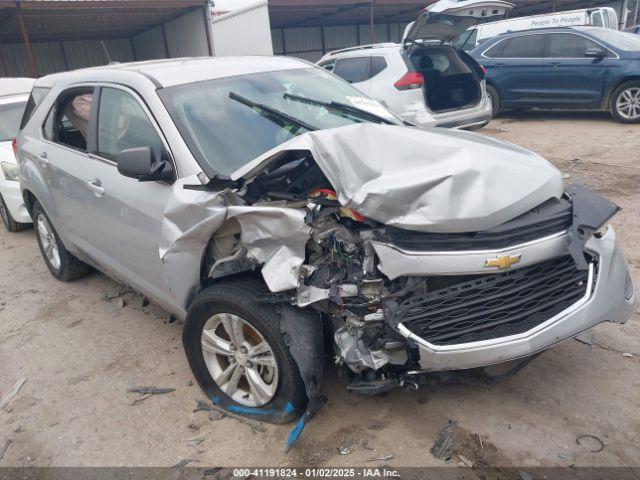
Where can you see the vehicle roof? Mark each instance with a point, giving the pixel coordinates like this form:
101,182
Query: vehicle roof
15,87
177,71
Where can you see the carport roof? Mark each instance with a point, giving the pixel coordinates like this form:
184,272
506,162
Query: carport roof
57,20
306,13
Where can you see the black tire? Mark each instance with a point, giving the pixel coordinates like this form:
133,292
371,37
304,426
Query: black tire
495,100
241,297
633,85
8,220
70,267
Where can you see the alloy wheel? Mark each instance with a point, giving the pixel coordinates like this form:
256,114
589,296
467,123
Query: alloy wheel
48,241
628,103
239,359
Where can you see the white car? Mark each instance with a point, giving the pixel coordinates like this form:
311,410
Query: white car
14,94
426,81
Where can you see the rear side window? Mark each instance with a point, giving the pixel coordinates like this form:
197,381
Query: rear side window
566,45
68,121
36,97
378,64
123,124
496,50
526,46
353,70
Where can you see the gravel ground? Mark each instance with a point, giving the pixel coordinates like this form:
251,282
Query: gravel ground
80,351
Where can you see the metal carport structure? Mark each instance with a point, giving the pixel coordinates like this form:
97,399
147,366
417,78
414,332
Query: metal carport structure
43,36
310,28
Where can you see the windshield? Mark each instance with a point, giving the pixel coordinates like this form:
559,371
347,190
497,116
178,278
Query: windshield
10,116
228,122
620,40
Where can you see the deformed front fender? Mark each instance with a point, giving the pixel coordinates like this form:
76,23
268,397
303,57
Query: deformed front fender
273,236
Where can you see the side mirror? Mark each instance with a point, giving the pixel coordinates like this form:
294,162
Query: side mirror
140,163
595,52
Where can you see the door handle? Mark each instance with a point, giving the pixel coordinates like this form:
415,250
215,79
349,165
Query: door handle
96,186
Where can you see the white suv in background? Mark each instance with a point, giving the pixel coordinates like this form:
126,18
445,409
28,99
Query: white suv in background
426,80
14,93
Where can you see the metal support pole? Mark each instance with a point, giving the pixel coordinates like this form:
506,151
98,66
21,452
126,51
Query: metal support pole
372,31
206,12
5,66
65,60
27,42
164,41
324,42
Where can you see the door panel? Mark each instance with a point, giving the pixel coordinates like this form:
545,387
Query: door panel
126,215
517,69
572,79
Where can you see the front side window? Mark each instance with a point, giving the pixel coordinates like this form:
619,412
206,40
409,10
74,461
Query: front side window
225,125
123,124
10,115
68,122
567,45
526,46
353,70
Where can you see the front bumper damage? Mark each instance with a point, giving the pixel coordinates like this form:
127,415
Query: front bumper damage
603,301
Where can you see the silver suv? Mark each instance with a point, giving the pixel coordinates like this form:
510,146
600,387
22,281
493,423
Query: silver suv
426,81
273,208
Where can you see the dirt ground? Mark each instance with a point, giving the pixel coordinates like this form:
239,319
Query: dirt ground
80,352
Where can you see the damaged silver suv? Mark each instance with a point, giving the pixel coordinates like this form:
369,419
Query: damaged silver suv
285,216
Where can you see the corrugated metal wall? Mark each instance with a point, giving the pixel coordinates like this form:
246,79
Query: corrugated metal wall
310,44
186,36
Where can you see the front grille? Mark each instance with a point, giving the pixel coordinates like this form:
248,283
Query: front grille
493,306
551,217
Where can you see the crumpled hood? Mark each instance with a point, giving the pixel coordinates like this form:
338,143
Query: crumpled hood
426,180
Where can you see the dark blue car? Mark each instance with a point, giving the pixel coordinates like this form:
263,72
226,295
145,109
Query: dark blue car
570,67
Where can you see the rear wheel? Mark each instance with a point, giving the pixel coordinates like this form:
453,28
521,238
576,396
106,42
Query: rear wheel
62,264
8,220
625,103
238,354
495,100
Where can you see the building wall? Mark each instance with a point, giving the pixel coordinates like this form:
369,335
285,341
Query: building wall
186,36
311,43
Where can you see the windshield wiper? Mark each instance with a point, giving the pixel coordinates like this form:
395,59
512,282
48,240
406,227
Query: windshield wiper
342,107
281,118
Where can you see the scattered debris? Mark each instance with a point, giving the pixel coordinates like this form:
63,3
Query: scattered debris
5,448
205,407
443,447
593,437
465,461
566,176
18,429
562,455
585,338
31,290
215,416
376,426
140,399
184,462
380,459
525,475
14,391
150,390
344,450
628,355
193,426
195,442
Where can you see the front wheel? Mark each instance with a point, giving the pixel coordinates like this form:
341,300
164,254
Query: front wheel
625,103
237,352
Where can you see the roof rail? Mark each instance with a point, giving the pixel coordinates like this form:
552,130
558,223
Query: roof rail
364,47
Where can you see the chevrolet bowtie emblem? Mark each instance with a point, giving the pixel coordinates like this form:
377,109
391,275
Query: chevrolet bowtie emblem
503,262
